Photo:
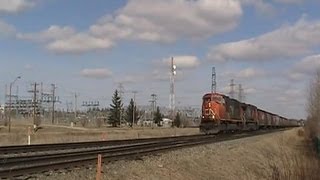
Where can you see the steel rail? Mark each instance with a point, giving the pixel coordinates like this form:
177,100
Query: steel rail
4,150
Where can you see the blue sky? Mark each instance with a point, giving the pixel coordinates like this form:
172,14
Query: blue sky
89,47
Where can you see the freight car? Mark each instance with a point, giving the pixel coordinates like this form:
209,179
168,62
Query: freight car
222,113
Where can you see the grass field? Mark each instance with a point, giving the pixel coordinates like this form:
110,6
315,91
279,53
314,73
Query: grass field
59,134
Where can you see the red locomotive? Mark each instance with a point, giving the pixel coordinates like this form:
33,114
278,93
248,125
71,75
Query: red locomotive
222,113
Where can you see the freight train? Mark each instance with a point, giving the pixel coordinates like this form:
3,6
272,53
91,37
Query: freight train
221,113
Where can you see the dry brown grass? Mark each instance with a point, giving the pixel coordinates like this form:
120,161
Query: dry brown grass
288,157
269,157
61,134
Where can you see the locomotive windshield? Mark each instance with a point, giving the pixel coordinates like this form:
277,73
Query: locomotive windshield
215,98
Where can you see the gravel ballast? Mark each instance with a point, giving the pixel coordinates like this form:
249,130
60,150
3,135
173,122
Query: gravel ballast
248,158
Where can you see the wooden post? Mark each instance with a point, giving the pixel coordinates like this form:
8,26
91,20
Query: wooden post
104,136
98,176
29,133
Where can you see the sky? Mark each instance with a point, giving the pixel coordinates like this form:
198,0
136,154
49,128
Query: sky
270,47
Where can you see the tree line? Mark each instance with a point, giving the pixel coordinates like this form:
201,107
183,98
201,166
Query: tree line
132,115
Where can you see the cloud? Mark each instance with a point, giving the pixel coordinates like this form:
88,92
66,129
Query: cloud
182,62
28,67
247,73
289,1
79,43
6,30
288,41
54,32
169,20
163,21
67,40
14,6
128,79
306,66
185,65
99,73
260,6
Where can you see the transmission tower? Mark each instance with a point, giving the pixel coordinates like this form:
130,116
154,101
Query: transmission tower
213,82
153,104
173,72
232,88
240,95
35,104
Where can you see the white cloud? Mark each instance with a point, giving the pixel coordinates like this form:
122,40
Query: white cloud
250,90
79,43
289,1
182,62
134,78
169,20
52,33
261,6
287,41
13,6
67,40
306,66
6,29
249,73
185,65
28,67
155,21
99,73
160,75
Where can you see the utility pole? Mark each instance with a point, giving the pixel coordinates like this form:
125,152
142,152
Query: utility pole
153,104
5,104
53,101
75,105
232,88
134,107
35,104
121,91
10,103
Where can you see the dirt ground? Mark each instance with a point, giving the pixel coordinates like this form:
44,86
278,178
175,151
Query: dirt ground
271,156
59,134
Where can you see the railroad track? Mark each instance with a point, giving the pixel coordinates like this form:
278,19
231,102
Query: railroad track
19,149
13,165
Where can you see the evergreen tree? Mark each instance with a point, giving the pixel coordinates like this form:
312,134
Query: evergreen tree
157,117
115,110
177,120
129,113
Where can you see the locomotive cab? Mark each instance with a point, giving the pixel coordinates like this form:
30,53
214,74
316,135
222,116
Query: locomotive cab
213,110
212,107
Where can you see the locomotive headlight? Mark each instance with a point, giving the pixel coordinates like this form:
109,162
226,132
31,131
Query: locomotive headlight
212,116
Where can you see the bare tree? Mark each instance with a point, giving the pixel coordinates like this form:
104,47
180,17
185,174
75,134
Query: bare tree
313,107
